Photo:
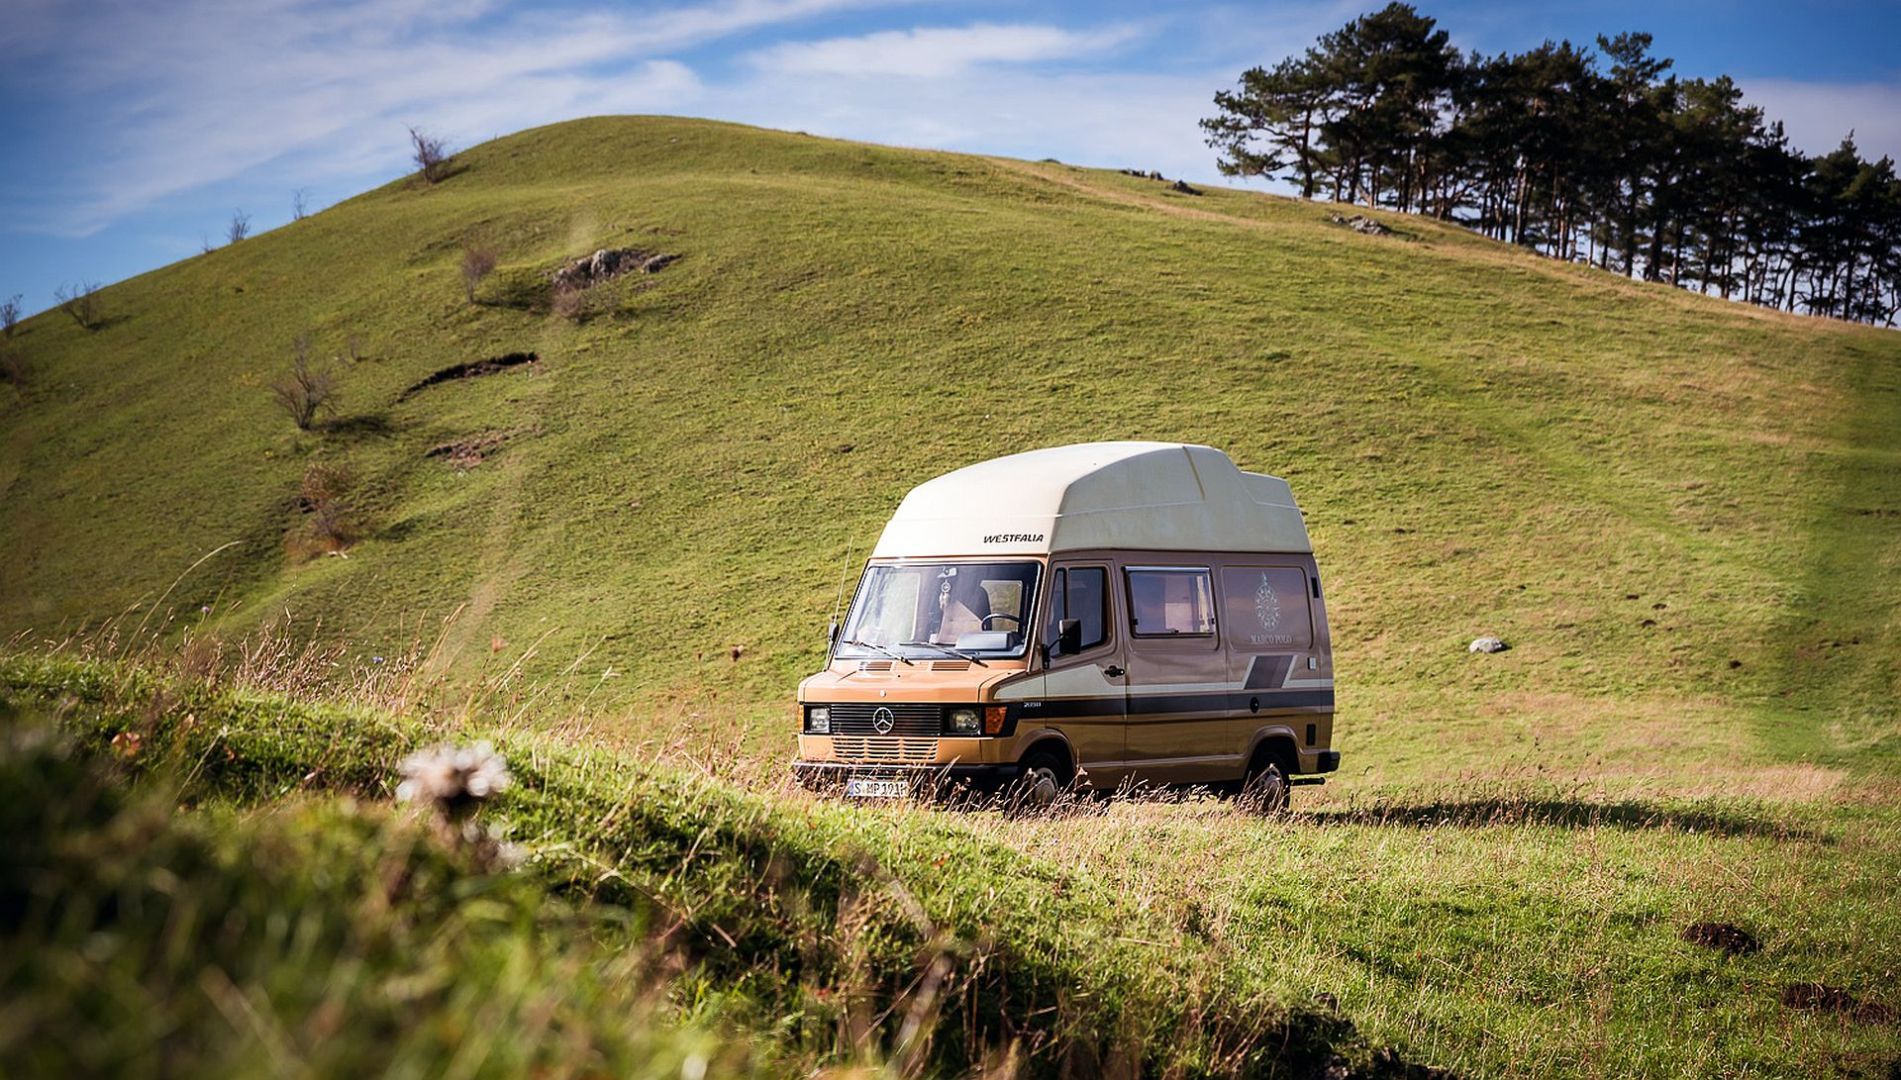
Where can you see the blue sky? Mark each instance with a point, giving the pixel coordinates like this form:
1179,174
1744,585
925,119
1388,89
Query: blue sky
133,129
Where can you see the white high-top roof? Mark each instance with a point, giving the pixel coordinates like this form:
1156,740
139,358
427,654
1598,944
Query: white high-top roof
1142,496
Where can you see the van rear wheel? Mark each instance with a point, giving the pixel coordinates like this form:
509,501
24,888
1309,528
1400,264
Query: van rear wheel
1265,791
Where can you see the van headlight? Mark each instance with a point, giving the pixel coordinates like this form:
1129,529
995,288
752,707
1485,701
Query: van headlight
963,722
818,719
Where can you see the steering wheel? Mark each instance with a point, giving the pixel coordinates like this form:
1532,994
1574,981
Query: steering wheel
984,623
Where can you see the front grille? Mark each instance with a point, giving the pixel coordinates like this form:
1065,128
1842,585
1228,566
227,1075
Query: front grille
883,748
908,719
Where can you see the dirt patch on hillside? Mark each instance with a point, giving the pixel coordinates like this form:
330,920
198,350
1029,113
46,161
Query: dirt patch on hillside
474,369
1820,997
1727,937
466,453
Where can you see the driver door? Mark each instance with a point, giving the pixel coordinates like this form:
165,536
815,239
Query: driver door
1086,692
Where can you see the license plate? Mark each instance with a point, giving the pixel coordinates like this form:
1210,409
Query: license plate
876,789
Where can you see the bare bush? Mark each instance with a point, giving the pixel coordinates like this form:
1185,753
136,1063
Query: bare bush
430,154
569,302
239,228
10,315
326,494
306,389
81,303
478,262
205,245
299,205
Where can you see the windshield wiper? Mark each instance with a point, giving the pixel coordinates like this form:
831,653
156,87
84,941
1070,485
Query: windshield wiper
946,648
893,655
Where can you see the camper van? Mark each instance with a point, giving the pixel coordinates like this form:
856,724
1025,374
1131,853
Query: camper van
1091,616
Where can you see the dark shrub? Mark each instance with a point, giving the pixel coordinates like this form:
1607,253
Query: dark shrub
305,390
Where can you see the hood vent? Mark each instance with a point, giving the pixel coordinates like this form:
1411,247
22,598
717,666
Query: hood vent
950,665
874,665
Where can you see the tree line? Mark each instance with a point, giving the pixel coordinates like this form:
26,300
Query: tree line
1602,156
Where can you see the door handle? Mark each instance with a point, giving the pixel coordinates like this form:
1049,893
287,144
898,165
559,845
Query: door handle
1114,672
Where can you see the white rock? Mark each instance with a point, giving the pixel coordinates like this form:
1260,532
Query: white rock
1487,644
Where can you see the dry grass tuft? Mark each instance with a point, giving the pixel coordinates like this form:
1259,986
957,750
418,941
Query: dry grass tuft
332,521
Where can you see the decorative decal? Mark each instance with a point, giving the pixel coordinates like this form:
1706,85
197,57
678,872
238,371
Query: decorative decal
1267,605
1267,608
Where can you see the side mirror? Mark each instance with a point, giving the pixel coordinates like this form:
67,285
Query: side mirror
1069,637
831,634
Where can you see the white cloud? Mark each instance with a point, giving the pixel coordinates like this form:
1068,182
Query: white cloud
1818,115
178,97
935,52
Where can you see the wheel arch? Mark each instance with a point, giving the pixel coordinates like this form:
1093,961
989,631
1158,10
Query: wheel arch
1053,742
1277,745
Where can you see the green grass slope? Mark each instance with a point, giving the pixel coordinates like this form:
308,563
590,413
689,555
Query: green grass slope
1483,441
1681,512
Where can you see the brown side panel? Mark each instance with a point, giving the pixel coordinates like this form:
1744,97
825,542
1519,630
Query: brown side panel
1167,742
1197,704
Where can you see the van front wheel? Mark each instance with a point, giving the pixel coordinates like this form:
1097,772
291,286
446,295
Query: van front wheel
1038,785
1265,790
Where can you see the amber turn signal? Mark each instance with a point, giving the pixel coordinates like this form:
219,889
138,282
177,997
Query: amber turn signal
993,719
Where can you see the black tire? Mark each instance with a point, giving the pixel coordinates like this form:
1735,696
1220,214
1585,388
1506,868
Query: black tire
1266,791
1043,779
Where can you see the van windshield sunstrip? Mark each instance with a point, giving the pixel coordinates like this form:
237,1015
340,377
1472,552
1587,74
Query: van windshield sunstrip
922,609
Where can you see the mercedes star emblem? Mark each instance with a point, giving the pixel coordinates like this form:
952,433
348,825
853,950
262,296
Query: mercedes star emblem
882,720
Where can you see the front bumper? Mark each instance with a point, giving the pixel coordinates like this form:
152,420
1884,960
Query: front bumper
825,775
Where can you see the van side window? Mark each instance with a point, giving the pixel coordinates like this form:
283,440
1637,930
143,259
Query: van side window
1081,593
1267,608
1171,601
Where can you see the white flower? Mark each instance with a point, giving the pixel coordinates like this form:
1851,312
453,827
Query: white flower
455,778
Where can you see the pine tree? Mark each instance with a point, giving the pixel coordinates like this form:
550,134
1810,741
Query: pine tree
1269,126
1673,179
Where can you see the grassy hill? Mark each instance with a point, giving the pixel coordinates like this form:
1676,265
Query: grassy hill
1681,512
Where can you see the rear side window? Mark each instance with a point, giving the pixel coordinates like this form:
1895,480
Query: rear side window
1267,608
1081,593
1171,601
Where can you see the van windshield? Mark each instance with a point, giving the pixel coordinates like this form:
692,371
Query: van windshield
919,609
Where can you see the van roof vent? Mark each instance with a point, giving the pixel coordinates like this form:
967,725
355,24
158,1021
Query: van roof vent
950,665
874,665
